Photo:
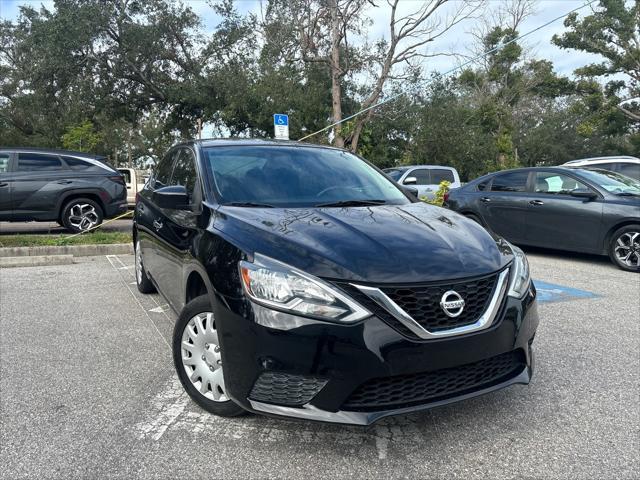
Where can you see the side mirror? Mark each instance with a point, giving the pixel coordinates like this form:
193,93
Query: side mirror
174,197
412,191
584,193
410,181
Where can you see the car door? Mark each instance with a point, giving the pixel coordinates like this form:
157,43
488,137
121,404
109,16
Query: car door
5,186
503,204
178,227
423,180
37,182
555,219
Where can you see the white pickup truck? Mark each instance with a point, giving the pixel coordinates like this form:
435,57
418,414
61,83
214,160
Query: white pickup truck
134,180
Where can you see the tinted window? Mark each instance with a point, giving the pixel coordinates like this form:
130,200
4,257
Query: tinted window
77,164
606,166
4,162
395,174
184,170
548,182
126,174
162,174
33,162
630,170
612,182
296,176
441,175
510,182
422,176
482,186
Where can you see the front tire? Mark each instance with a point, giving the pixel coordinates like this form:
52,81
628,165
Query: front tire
81,214
142,280
198,358
624,248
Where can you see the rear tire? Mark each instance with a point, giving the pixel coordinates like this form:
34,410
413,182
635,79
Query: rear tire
142,280
81,214
624,248
198,359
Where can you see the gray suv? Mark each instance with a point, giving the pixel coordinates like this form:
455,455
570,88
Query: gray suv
77,190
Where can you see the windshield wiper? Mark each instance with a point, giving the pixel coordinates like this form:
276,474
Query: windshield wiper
248,204
352,203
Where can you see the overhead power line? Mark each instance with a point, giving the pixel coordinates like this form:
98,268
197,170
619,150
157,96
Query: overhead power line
448,72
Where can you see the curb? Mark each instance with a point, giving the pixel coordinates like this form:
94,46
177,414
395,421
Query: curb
67,250
35,261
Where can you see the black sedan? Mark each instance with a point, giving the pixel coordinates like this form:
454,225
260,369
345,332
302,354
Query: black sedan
591,211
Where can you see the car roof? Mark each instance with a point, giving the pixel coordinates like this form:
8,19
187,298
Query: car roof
407,167
225,142
615,158
54,151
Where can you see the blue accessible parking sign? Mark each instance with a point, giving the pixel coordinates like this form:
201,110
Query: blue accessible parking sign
281,126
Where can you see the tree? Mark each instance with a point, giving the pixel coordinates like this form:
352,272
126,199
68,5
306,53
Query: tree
612,32
81,137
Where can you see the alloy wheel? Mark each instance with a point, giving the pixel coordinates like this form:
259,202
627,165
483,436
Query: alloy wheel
627,249
201,359
83,216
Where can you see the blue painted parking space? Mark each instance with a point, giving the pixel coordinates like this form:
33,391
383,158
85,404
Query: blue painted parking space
550,292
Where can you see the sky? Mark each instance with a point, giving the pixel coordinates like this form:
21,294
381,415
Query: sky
457,40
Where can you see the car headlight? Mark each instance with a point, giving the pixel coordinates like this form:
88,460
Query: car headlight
280,286
520,276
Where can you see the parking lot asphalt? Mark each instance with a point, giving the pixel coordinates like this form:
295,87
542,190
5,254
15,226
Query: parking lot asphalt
45,228
87,389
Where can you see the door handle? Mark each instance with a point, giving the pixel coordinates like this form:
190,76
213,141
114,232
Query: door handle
536,202
65,182
157,225
3,184
485,199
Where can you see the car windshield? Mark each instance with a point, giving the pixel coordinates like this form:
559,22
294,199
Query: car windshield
612,182
292,176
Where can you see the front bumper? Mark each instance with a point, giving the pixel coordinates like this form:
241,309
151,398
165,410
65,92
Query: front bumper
342,358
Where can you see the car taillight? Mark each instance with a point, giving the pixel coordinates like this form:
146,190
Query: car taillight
117,178
445,197
137,197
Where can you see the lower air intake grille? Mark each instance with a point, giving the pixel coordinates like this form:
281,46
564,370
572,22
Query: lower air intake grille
285,389
406,390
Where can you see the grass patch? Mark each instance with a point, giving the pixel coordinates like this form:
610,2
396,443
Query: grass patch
93,238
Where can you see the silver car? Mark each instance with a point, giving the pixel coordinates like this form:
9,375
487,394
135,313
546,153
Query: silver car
425,178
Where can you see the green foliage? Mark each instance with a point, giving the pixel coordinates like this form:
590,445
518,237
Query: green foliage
81,137
438,200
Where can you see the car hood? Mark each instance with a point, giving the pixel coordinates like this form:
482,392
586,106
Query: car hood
382,244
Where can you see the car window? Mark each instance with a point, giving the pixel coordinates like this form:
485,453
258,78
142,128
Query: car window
482,186
78,164
630,170
549,182
441,175
184,170
35,162
510,182
422,176
126,173
286,176
394,173
162,174
612,182
4,162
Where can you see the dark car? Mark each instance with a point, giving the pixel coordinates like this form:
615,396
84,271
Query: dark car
75,189
310,285
577,209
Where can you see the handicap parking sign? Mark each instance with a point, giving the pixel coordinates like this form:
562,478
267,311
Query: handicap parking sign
281,126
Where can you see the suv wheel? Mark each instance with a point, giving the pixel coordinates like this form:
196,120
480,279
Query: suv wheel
624,248
81,214
198,358
142,280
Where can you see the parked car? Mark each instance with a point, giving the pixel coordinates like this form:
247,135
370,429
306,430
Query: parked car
577,209
629,166
75,189
134,181
426,178
309,285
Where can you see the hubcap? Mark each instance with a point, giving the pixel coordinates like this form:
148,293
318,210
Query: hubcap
83,216
627,249
201,357
138,263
